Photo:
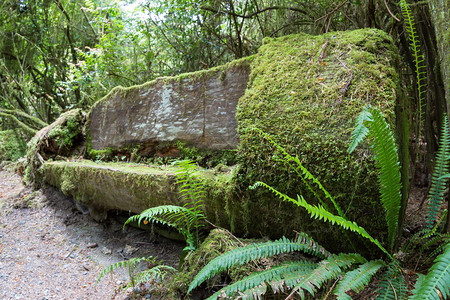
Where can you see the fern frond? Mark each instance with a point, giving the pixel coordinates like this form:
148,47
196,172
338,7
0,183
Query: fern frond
414,43
304,175
389,178
122,264
357,279
393,285
438,181
191,188
318,212
387,162
252,284
243,255
157,214
155,273
360,132
438,277
328,269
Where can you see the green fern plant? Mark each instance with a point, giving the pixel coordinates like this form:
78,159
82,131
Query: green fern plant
440,175
157,272
297,276
419,67
187,219
438,277
372,123
392,285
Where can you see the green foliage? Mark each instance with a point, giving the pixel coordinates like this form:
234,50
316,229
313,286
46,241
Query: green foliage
438,277
318,212
357,279
439,180
372,122
392,285
419,67
329,268
157,272
186,219
304,175
255,284
243,255
12,145
425,245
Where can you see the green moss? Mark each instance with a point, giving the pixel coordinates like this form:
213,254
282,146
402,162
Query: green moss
12,145
135,187
62,137
296,94
218,242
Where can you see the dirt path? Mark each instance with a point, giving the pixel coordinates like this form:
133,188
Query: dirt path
48,250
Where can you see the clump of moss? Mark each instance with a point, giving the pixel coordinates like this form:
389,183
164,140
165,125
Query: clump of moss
218,242
305,92
12,145
64,137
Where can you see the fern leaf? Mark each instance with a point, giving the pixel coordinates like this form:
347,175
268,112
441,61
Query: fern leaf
361,131
438,277
357,279
419,67
318,212
155,273
393,285
248,284
389,178
243,255
304,174
439,181
386,160
121,264
152,214
328,269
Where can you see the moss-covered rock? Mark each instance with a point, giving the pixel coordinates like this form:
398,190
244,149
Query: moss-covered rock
305,92
100,187
12,145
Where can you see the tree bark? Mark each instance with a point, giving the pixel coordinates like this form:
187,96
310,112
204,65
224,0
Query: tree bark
440,14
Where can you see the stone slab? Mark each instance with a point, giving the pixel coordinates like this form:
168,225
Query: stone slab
198,108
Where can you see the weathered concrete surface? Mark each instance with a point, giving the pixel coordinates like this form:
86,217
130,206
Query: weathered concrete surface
100,187
197,108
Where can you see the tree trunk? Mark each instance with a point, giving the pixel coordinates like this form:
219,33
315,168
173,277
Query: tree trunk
440,14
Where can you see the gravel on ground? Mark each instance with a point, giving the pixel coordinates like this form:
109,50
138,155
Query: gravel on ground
49,250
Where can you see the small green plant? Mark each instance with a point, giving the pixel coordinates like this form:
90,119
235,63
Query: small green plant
420,73
305,276
187,219
158,272
440,175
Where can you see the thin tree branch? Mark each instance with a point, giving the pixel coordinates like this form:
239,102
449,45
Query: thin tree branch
245,16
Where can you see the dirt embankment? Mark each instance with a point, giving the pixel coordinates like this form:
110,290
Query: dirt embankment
49,250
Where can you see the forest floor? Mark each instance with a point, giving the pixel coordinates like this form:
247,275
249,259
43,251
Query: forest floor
49,250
